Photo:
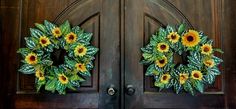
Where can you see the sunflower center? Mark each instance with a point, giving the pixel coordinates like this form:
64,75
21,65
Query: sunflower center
206,49
80,66
208,63
173,36
43,41
32,58
58,56
162,61
164,77
196,75
163,47
57,32
182,77
71,37
63,78
40,74
190,38
80,50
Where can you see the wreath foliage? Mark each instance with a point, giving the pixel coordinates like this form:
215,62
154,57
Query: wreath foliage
69,46
199,64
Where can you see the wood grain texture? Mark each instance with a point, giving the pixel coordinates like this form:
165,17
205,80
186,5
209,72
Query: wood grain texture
101,17
206,16
156,13
120,28
9,40
229,29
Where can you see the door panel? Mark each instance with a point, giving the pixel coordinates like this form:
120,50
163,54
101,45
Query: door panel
103,21
120,28
154,14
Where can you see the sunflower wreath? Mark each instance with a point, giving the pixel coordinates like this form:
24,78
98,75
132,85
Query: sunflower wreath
45,43
198,66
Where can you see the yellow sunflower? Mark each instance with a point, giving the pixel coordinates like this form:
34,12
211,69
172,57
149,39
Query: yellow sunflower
162,47
165,78
56,32
71,37
183,77
44,41
162,62
173,37
196,75
63,79
40,75
206,49
80,50
80,67
209,63
191,38
31,58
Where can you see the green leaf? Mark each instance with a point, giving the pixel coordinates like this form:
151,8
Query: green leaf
177,87
147,49
162,33
181,28
153,42
38,87
81,79
218,50
77,31
40,27
203,39
49,26
209,78
75,77
49,48
147,55
39,52
24,51
51,85
198,85
70,63
169,29
89,66
39,84
71,87
145,62
188,88
91,50
214,71
85,73
46,62
65,27
27,69
30,43
217,60
85,38
36,33
159,84
60,88
150,70
195,59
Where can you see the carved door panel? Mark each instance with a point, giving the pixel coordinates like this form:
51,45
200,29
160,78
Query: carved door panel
120,28
100,17
142,19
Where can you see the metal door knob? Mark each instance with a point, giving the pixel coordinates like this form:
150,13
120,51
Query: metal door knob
111,91
130,90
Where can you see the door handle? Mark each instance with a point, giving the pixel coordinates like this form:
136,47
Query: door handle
111,90
129,90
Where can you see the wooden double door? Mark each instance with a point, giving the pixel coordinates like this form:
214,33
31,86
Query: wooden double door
120,28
